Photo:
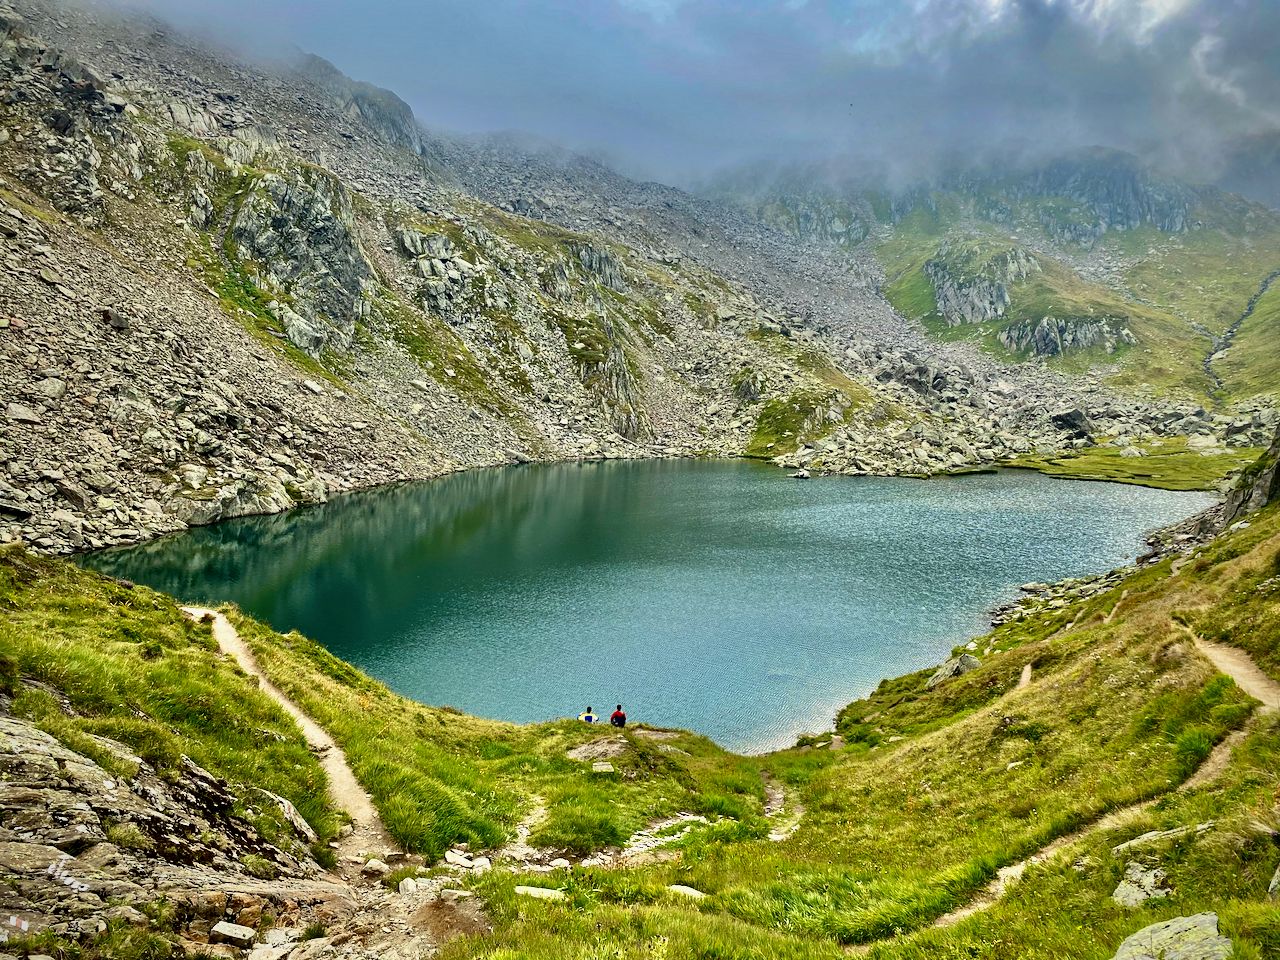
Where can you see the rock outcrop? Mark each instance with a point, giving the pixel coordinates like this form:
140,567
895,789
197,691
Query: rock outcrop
76,842
1182,938
1055,336
294,237
1257,487
972,287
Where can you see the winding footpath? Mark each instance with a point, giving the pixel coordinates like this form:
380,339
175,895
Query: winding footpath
368,836
1248,677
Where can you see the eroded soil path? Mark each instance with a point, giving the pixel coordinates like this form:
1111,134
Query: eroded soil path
1236,664
368,836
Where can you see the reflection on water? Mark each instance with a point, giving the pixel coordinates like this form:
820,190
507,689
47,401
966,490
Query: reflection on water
717,596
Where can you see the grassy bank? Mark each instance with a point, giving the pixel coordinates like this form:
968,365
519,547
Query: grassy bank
1166,465
132,668
907,816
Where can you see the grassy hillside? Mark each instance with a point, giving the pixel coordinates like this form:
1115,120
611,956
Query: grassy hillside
936,789
1176,292
906,817
134,669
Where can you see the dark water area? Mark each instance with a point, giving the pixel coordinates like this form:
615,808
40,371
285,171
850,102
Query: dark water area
718,596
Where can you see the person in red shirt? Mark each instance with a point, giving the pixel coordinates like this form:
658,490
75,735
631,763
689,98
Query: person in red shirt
618,719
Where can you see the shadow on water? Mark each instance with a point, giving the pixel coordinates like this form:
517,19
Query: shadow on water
718,596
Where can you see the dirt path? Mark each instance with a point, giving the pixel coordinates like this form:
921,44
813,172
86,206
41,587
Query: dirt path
1238,665
1234,663
1111,614
368,837
784,822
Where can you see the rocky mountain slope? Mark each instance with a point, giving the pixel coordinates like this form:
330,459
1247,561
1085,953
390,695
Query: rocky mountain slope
1089,261
231,288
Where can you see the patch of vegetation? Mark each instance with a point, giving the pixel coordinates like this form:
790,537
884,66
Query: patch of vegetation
1167,465
440,352
785,423
536,236
1178,291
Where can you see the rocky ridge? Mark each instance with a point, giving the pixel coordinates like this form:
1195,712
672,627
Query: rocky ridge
232,289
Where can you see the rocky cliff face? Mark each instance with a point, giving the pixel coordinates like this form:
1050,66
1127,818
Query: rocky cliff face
77,842
1258,488
293,233
972,286
373,107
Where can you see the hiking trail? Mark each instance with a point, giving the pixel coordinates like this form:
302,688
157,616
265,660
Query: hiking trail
1236,664
368,836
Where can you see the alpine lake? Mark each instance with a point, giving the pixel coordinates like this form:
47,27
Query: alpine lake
722,597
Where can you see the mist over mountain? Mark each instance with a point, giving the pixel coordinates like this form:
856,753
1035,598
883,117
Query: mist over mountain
675,89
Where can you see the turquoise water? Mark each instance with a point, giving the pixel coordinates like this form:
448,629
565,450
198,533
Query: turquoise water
718,596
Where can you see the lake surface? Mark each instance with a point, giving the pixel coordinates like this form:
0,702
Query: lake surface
718,596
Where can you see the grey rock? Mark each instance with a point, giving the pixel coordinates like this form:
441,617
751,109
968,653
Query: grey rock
539,893
684,891
955,667
21,413
232,933
1140,884
1155,836
53,388
116,320
1182,938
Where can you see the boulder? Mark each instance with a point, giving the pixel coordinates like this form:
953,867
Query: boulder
684,891
1182,938
294,818
232,933
115,320
954,667
1140,884
21,414
458,859
1072,420
539,893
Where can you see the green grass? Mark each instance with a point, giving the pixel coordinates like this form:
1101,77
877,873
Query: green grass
139,672
1177,293
439,777
1251,365
784,423
1166,465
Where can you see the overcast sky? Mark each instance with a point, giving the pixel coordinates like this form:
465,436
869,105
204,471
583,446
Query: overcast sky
675,88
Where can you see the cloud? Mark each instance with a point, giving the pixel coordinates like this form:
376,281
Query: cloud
674,88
